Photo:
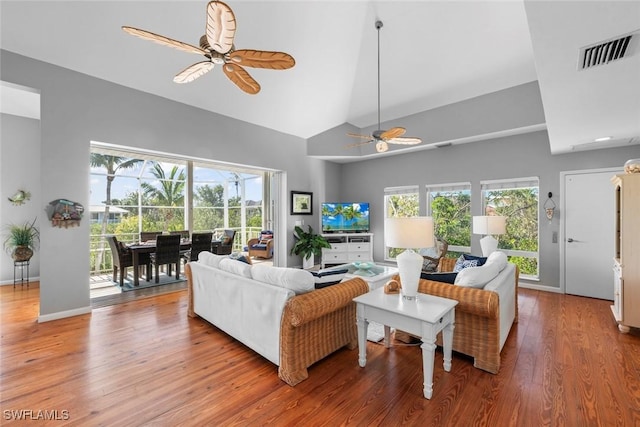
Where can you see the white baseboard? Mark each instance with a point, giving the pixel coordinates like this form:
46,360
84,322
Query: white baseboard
63,314
10,282
540,288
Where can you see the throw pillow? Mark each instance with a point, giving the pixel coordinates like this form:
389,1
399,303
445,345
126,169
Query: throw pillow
477,277
328,277
462,263
295,279
499,258
210,259
236,267
481,260
440,277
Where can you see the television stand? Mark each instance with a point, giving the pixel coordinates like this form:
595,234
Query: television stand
346,248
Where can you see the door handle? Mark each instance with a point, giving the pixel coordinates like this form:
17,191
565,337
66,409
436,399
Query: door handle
570,240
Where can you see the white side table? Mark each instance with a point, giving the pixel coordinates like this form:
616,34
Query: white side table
425,317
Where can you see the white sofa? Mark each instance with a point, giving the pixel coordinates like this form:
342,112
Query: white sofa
275,311
487,308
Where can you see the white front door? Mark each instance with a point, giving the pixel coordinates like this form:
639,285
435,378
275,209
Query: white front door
589,223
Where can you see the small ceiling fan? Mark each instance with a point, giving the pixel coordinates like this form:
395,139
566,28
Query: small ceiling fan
383,137
217,46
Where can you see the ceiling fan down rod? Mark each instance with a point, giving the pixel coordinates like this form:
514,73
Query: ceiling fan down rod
378,26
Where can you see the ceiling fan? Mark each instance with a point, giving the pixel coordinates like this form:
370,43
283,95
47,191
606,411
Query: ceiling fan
384,137
217,46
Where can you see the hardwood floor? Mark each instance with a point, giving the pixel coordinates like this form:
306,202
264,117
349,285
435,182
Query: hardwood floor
145,362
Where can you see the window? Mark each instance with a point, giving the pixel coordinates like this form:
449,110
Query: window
516,199
227,199
162,196
450,207
134,191
400,202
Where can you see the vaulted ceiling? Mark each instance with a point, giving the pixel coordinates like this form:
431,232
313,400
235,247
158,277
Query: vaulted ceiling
433,53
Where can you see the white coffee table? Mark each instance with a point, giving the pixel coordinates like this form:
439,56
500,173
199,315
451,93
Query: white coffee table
375,277
425,317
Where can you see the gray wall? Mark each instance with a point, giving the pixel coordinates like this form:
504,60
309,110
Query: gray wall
509,157
77,109
20,166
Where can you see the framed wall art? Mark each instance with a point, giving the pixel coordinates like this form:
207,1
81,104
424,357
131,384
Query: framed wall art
301,203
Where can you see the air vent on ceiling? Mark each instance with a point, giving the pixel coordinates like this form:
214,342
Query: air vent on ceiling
607,51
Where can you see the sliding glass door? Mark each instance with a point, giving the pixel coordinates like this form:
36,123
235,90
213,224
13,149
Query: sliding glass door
132,192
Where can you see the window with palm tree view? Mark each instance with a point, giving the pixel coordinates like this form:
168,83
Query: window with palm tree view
132,193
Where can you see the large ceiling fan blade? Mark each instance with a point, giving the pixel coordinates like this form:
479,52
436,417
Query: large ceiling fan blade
221,26
166,41
392,133
357,144
263,59
357,135
194,71
410,140
241,78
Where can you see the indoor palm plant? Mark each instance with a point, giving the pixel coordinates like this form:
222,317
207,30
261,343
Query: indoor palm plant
21,240
309,245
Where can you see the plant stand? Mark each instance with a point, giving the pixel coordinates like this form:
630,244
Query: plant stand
21,265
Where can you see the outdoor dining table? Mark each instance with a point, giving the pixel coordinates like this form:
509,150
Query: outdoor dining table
147,248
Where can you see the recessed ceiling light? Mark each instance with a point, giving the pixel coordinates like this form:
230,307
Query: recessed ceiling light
604,138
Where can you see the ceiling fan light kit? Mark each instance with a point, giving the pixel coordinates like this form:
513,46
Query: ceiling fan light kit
383,138
217,46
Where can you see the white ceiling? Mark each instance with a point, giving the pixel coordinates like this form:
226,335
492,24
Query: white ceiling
433,53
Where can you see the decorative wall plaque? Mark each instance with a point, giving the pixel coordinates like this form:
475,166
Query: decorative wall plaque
64,213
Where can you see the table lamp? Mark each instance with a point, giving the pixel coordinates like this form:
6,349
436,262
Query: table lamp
409,233
489,226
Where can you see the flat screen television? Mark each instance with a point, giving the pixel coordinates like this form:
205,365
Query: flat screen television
351,217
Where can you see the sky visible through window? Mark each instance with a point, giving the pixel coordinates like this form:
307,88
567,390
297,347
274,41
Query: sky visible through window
126,181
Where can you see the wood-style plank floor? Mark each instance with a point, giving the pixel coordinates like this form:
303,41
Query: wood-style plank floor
145,362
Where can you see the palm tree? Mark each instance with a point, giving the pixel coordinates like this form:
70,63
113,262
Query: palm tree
112,164
338,211
170,192
350,213
236,182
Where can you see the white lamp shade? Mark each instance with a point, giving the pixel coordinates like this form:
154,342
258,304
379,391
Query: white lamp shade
408,233
488,225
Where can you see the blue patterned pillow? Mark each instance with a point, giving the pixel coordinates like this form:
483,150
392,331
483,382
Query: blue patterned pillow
463,263
481,260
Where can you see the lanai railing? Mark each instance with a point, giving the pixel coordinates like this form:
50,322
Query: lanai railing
98,243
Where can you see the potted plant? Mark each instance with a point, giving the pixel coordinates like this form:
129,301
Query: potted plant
308,245
22,240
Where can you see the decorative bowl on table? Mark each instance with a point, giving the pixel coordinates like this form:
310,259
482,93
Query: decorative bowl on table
363,268
362,265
